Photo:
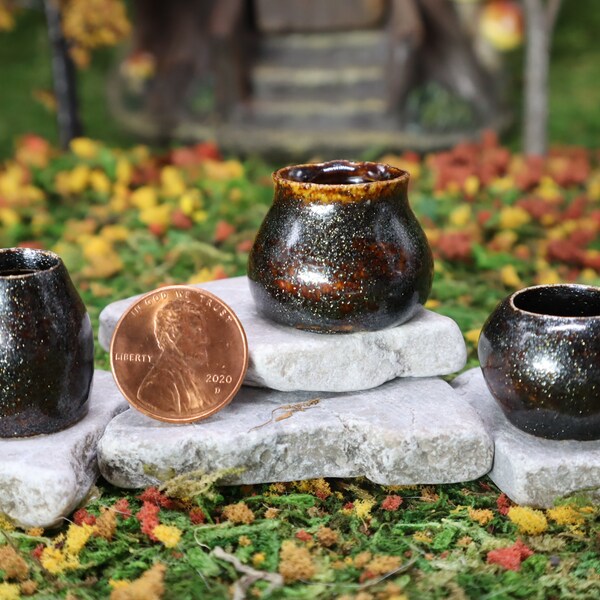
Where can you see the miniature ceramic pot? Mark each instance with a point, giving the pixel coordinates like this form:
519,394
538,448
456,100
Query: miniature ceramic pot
46,345
340,250
540,357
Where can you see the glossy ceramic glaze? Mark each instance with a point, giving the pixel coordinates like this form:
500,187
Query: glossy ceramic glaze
540,357
340,249
46,345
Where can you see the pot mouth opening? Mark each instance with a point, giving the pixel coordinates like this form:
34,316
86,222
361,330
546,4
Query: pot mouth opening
560,300
340,173
25,262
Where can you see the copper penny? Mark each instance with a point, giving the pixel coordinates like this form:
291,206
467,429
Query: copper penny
179,354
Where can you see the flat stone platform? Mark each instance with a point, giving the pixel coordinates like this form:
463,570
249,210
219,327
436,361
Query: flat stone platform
407,431
43,478
529,469
286,359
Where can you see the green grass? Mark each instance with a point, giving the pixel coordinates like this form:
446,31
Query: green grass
25,67
575,75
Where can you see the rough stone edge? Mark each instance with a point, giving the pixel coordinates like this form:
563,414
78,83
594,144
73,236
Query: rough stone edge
515,478
88,472
112,466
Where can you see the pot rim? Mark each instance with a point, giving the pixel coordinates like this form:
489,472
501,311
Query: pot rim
33,251
349,190
570,286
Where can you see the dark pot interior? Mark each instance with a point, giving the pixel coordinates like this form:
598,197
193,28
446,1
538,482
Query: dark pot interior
23,261
560,301
340,172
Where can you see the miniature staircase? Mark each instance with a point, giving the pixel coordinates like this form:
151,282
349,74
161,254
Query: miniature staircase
333,82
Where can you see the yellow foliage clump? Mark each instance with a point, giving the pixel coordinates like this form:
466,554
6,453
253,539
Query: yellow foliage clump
424,537
568,514
327,537
362,508
239,513
167,534
144,197
56,561
295,562
84,147
473,335
77,537
513,217
461,215
106,524
383,564
528,520
510,278
100,182
318,487
172,181
150,586
5,523
362,558
272,513
13,564
481,515
258,559
10,591
157,215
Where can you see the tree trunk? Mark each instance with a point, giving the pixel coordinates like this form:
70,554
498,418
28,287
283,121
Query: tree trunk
540,18
63,75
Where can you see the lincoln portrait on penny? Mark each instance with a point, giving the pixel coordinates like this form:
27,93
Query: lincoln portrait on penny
176,381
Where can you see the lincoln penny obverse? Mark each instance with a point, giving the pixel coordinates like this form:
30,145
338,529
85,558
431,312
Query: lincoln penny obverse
179,354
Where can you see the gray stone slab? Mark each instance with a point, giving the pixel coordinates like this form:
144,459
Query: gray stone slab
407,431
43,478
528,469
286,359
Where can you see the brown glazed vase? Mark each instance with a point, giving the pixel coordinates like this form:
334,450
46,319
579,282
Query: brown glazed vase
340,249
46,345
540,356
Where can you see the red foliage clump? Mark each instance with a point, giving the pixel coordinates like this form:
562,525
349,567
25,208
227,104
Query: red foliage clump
392,502
197,516
37,551
510,558
454,245
303,536
83,517
121,507
485,160
152,495
223,230
503,502
148,518
180,220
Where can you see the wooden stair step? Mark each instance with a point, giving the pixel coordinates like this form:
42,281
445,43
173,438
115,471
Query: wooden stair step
317,76
318,84
359,48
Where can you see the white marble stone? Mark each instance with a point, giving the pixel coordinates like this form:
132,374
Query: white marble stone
528,469
286,359
405,432
43,478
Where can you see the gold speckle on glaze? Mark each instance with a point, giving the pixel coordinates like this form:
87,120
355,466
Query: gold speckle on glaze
340,249
540,357
46,345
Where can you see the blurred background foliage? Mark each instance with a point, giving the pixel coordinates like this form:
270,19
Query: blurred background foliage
27,104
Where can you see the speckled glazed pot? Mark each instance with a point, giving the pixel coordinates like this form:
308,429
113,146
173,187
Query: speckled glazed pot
340,249
540,357
46,345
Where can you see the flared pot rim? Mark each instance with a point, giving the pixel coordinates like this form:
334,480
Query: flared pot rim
292,177
591,289
35,270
